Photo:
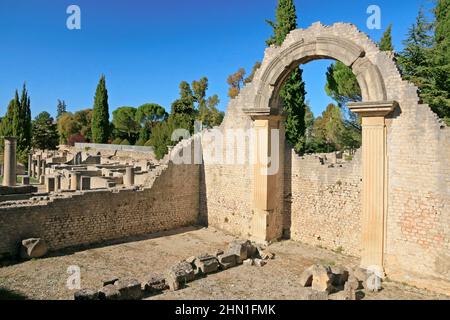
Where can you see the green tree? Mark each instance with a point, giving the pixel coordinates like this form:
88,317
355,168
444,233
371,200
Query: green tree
439,97
100,116
45,133
124,121
148,115
414,60
161,137
184,104
386,41
17,123
293,92
78,124
208,114
285,22
342,85
61,108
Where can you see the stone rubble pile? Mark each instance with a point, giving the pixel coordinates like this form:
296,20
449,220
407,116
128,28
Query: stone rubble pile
337,282
177,276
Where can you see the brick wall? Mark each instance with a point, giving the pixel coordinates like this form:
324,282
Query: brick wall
95,216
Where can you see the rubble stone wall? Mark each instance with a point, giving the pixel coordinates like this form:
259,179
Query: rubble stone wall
96,216
323,202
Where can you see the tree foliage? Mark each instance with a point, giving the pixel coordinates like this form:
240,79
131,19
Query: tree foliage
45,132
61,108
124,121
208,114
386,41
293,92
425,59
17,123
100,116
236,82
75,127
286,21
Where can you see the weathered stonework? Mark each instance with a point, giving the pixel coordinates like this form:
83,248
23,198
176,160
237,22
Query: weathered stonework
415,233
390,206
95,216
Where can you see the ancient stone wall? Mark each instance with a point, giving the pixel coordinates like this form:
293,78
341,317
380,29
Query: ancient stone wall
94,216
323,202
417,200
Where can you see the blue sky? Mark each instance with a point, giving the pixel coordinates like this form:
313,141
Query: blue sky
146,48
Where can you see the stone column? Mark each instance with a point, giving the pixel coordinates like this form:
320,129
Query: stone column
10,162
374,189
128,178
43,163
32,168
74,177
30,163
38,166
267,158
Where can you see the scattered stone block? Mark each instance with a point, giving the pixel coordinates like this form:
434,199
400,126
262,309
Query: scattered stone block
248,262
156,284
33,248
360,274
313,295
266,255
207,264
109,280
219,252
340,275
86,294
179,274
373,283
306,278
227,261
191,260
130,289
241,249
259,262
322,279
109,292
354,283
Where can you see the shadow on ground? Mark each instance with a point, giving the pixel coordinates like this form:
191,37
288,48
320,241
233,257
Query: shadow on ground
6,294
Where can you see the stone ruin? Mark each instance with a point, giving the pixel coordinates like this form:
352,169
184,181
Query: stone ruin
389,206
239,252
68,170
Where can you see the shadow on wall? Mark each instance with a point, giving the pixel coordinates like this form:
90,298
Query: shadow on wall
287,196
203,205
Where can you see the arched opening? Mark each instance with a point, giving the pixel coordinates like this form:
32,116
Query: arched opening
301,47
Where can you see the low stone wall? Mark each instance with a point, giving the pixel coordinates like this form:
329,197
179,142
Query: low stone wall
96,216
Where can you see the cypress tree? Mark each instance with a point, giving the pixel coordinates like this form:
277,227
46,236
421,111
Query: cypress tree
100,116
439,97
386,41
293,92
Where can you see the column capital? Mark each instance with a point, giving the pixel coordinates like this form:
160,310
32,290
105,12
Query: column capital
264,113
373,108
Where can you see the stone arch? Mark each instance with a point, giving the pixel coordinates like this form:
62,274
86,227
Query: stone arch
323,47
355,50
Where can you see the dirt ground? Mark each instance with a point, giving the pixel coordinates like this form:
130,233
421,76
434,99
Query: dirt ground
137,257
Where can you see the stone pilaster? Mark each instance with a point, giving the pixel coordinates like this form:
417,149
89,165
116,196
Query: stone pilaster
374,190
268,141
